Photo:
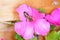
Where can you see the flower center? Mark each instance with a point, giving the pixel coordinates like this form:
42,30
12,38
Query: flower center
28,17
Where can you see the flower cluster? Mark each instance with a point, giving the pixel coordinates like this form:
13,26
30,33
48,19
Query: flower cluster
34,22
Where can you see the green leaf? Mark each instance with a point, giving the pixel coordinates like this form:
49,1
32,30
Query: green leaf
53,36
17,37
41,10
52,27
58,33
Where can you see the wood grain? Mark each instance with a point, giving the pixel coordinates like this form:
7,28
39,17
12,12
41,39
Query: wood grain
7,33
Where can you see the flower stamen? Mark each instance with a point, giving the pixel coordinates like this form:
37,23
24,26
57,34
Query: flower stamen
28,16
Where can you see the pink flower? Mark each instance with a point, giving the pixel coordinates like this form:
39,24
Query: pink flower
32,21
54,18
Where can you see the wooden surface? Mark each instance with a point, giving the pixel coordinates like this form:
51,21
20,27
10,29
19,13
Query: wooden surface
40,37
7,9
7,33
47,5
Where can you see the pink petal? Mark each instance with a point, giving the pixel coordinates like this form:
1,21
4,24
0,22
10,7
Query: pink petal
42,27
54,18
29,31
37,15
20,27
21,9
25,29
